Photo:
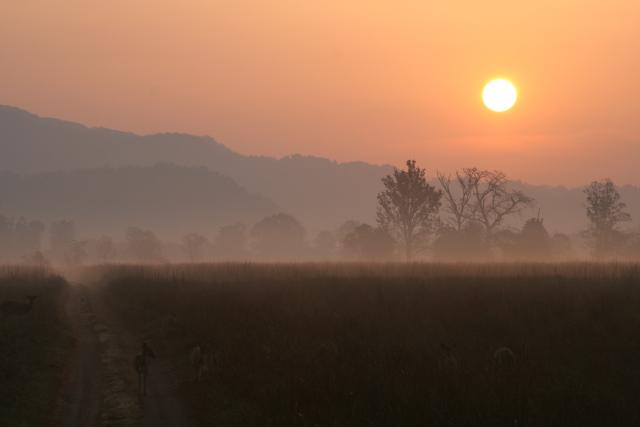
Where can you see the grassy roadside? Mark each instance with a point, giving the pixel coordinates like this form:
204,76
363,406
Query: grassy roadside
33,347
396,345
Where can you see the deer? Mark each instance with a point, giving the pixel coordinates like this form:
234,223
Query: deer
141,366
448,361
504,363
504,358
202,360
14,308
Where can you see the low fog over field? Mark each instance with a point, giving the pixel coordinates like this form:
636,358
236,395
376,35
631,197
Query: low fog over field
74,194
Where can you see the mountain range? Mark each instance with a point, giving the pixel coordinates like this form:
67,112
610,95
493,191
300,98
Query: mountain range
172,200
106,179
319,192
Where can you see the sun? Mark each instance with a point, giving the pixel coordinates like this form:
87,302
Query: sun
499,95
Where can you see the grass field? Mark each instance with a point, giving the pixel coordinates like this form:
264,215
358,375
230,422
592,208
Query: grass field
33,347
394,344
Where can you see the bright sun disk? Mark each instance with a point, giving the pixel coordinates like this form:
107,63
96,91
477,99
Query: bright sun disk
499,95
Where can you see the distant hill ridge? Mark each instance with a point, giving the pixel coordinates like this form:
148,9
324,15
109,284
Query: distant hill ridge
172,200
322,193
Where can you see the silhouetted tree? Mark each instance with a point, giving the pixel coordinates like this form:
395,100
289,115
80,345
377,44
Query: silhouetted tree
28,236
534,241
6,237
370,243
231,242
605,212
458,199
194,245
560,245
632,245
37,259
143,245
408,208
105,249
342,232
278,235
491,198
468,244
19,238
324,245
506,240
76,253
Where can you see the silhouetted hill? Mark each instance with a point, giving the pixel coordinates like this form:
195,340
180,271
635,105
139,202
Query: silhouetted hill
168,199
320,192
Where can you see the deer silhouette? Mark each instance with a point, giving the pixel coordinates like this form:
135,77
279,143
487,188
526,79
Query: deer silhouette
14,308
141,366
504,359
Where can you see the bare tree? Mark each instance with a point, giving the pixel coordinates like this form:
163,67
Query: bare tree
458,202
408,207
491,198
605,212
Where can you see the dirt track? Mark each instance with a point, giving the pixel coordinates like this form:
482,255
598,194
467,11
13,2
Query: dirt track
80,399
101,388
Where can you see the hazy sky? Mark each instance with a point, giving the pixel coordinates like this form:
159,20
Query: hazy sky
380,81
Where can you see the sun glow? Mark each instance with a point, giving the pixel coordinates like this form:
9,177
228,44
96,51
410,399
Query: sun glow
499,95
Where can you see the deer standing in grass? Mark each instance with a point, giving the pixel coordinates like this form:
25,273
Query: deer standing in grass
201,359
448,361
141,365
14,308
504,359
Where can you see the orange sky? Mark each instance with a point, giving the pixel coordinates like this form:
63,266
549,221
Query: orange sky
380,81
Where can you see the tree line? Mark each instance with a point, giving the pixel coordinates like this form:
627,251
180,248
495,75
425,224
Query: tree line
468,215
466,218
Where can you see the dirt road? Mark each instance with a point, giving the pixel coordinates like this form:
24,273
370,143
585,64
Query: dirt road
80,399
101,387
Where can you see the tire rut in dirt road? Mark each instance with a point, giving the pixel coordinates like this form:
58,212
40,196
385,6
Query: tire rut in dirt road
161,406
79,401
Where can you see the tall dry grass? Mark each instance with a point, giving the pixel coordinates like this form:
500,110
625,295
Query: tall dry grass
234,272
33,347
395,344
